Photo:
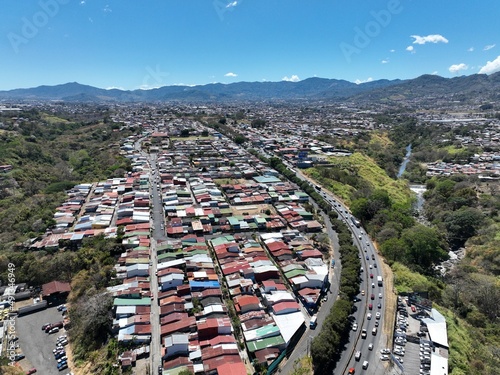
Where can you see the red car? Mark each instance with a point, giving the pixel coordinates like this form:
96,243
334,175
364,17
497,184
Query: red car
371,276
370,306
372,296
413,309
31,371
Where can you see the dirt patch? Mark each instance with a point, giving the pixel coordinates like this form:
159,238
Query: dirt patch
255,209
390,303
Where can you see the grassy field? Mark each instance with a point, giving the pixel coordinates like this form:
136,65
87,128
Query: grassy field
368,171
53,119
381,138
452,150
408,281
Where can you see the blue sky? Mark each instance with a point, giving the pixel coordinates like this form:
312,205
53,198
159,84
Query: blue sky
150,43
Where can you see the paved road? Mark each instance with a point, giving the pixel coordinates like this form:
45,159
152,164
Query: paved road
157,219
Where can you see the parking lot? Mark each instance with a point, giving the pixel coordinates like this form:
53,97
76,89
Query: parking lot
36,344
411,345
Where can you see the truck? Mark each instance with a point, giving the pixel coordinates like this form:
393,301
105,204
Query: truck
379,280
355,222
313,322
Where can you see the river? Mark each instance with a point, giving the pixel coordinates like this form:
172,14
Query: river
402,168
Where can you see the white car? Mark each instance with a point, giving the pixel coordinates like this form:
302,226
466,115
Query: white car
368,316
370,346
384,357
385,351
355,327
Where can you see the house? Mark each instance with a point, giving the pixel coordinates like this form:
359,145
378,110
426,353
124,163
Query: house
246,303
171,281
176,344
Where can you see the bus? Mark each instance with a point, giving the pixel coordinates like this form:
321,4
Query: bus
355,222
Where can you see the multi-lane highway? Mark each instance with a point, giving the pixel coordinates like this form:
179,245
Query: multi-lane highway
370,300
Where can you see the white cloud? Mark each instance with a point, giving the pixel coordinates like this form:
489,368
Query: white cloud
434,38
470,49
434,73
385,61
232,4
392,50
293,78
115,88
491,67
455,68
488,47
230,74
107,9
358,81
410,49
91,20
82,2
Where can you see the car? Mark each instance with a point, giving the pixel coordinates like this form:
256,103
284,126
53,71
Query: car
363,292
385,351
376,323
31,371
357,356
19,356
352,370
413,309
63,367
372,296
374,331
53,330
368,316
61,307
370,346
371,266
61,364
62,359
371,276
373,285
365,365
380,295
384,357
370,306
399,359
368,258
44,327
361,269
363,333
379,305
374,265
355,327
377,315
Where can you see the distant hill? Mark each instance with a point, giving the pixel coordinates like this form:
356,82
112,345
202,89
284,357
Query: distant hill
307,89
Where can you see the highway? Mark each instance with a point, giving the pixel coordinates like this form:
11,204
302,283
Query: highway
370,263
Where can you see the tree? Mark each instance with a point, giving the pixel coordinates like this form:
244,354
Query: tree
462,224
185,133
239,139
424,247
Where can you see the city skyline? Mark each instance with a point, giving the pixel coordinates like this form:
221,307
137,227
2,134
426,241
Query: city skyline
111,44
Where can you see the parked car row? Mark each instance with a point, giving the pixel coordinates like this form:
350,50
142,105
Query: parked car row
60,353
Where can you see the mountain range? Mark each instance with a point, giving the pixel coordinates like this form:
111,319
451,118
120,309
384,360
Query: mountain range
478,86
